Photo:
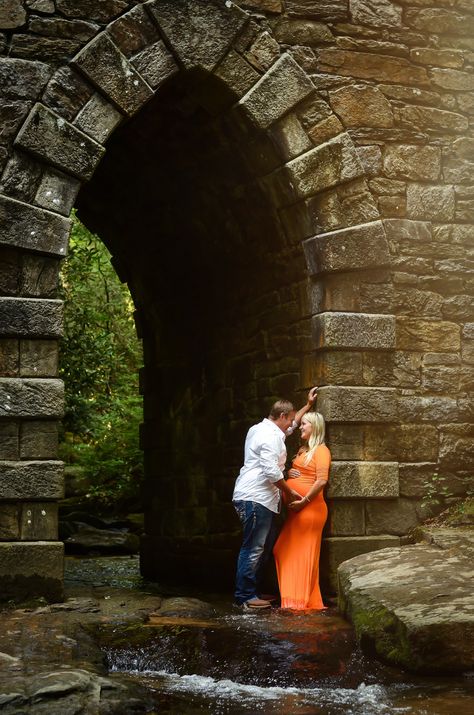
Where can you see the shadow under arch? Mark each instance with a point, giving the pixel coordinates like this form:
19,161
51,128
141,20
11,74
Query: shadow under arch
179,201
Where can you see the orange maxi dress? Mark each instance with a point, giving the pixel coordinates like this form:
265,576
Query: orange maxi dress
299,544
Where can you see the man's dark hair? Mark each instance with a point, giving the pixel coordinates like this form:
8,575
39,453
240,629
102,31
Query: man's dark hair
281,406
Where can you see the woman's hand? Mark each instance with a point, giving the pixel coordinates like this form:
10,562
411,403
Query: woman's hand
294,473
298,504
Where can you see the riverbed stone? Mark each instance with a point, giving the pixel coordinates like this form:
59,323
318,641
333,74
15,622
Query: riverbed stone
336,549
50,137
413,606
363,480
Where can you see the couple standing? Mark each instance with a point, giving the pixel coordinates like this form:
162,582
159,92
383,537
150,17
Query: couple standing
257,497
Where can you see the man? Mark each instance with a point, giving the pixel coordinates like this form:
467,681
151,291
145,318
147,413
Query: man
257,495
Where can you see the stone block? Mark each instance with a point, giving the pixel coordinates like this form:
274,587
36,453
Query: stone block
38,358
346,205
66,93
337,549
427,335
325,130
308,33
199,33
363,480
431,118
440,20
371,159
109,70
12,14
363,246
134,31
9,357
277,92
31,480
38,439
365,65
358,404
49,137
361,106
263,52
327,165
61,28
290,137
327,10
346,518
38,276
452,80
21,79
9,441
155,64
395,517
44,6
103,11
346,441
353,330
413,408
407,230
21,177
437,57
414,478
31,317
404,442
433,203
394,369
31,569
98,118
9,526
332,368
35,229
419,163
31,398
383,13
57,192
38,521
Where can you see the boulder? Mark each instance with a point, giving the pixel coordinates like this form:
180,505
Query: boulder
88,538
413,606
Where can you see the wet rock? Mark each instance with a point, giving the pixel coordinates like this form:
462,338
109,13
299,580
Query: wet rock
413,606
181,606
88,538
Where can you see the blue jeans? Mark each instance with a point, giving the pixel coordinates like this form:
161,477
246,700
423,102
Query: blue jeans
259,534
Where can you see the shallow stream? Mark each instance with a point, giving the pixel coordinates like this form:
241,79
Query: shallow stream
222,661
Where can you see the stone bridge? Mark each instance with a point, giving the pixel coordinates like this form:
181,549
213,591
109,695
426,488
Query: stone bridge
287,189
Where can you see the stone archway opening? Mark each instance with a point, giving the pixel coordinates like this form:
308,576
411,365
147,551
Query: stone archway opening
186,201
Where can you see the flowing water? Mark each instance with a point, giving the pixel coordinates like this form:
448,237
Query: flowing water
224,661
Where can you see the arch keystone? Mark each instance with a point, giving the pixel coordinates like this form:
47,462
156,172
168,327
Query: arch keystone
200,32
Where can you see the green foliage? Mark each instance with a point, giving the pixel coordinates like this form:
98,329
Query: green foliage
100,358
435,492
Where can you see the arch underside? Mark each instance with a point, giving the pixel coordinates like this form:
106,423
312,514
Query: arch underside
238,211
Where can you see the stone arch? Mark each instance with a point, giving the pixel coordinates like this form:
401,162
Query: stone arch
313,180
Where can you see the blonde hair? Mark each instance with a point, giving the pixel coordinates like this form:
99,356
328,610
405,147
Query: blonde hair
318,430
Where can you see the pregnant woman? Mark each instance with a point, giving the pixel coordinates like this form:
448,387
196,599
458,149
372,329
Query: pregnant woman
298,547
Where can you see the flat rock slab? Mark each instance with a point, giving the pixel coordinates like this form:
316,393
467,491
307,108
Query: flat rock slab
413,606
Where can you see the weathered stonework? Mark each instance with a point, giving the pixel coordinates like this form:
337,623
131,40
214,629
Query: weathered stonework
290,183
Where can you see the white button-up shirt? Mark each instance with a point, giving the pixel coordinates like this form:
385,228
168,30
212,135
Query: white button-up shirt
264,461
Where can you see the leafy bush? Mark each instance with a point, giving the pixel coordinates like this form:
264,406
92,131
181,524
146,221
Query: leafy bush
100,358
